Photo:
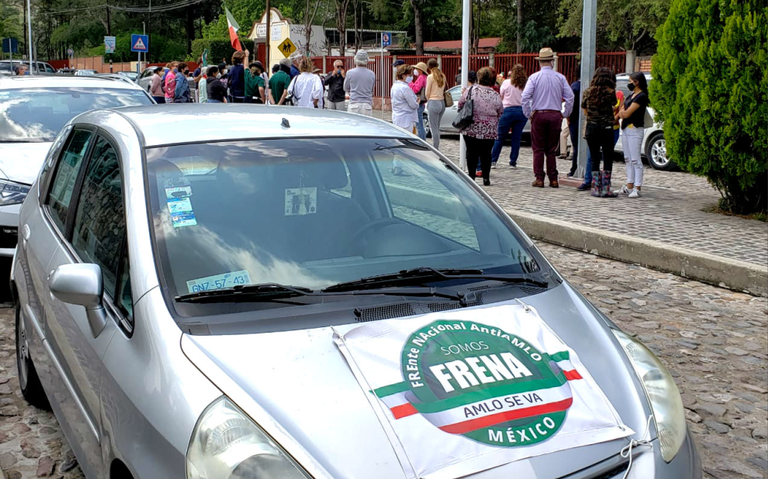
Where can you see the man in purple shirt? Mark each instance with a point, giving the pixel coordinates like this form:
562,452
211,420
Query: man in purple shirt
542,100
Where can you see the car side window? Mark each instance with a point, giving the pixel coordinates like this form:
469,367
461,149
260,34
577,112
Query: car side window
66,174
99,229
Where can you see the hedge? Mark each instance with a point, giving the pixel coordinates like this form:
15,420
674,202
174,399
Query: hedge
217,49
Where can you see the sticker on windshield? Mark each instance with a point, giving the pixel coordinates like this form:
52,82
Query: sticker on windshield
219,281
300,201
180,206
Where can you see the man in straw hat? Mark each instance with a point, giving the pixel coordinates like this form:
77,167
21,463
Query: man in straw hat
542,101
418,85
359,84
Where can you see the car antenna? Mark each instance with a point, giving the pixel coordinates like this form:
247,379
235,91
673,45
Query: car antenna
285,123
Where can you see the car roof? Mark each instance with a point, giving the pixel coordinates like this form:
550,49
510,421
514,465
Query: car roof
192,123
49,81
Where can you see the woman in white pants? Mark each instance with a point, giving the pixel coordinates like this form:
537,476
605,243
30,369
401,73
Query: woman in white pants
632,114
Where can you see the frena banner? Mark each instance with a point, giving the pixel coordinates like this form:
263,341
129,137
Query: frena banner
464,391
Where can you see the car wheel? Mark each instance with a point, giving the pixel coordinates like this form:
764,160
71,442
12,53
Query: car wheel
29,382
656,151
426,126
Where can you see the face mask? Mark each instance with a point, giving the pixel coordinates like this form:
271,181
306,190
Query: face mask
408,79
175,70
218,75
224,71
631,86
415,73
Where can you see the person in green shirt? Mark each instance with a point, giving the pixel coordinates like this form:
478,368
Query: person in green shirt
254,83
278,86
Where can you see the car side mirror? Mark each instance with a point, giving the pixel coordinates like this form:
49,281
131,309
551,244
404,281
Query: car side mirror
81,284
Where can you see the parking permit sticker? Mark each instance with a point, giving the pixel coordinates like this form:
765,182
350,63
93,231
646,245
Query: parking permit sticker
300,201
180,206
219,281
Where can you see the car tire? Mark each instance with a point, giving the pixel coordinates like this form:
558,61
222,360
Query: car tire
29,381
656,152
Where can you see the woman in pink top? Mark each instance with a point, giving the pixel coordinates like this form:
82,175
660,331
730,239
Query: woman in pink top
418,85
511,94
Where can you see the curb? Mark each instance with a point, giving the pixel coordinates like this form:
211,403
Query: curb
716,270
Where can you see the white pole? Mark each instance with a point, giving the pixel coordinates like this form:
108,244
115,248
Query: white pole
465,9
29,29
588,45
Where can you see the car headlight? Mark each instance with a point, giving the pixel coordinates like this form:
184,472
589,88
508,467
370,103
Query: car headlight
12,193
226,444
662,392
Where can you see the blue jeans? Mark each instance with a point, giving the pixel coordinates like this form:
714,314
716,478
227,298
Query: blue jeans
511,118
420,131
588,172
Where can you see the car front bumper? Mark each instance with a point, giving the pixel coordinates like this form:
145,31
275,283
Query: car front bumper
9,229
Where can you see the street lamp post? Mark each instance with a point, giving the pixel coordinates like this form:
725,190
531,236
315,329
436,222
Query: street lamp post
588,46
465,10
29,39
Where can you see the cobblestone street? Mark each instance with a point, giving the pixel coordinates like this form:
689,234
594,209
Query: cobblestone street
713,340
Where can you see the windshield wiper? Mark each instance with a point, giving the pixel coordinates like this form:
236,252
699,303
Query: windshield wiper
426,275
26,140
272,291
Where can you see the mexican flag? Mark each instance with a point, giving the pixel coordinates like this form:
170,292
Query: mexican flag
233,28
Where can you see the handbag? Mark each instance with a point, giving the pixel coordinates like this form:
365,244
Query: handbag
466,113
448,98
647,119
422,95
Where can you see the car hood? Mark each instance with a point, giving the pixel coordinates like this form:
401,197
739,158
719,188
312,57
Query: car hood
300,384
21,162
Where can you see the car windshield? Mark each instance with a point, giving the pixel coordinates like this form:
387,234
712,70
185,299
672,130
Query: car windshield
312,213
37,114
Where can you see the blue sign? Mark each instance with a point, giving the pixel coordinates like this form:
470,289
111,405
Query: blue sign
386,39
10,45
139,43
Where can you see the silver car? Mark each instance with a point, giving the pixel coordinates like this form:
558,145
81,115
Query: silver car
446,122
179,284
33,109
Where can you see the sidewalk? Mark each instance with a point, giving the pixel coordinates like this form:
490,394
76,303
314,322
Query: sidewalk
666,229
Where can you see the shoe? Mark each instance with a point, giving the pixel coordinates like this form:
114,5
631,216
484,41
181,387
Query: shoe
493,165
478,174
605,191
554,184
584,186
624,190
513,167
570,174
486,182
635,193
538,184
562,157
597,183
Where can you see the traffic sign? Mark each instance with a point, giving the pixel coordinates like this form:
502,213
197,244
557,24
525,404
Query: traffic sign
10,45
386,39
139,43
287,47
109,44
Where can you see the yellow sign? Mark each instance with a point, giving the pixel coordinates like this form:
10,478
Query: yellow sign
287,47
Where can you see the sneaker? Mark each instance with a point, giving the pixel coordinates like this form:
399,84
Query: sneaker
493,166
635,193
513,167
624,190
478,174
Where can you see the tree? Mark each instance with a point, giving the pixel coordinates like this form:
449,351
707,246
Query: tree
342,8
711,91
418,24
620,23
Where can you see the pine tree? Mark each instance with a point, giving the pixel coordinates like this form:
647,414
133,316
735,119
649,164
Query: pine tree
710,88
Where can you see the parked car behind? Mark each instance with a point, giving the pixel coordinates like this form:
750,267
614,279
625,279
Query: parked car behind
446,123
654,146
186,295
33,111
7,67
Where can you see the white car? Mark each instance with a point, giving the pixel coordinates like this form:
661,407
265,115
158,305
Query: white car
654,145
32,111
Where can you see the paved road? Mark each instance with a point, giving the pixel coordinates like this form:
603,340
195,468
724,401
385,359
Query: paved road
670,210
712,339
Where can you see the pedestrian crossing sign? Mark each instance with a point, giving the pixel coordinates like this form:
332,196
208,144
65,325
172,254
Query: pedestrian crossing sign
287,47
139,43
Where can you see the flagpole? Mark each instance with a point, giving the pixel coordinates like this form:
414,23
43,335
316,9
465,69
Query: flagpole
269,34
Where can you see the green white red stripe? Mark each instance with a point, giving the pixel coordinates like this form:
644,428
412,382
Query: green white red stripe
233,29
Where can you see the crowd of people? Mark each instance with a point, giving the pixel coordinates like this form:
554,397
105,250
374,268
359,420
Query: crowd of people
501,107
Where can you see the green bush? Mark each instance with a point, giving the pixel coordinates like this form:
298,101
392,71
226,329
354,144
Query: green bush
217,49
710,88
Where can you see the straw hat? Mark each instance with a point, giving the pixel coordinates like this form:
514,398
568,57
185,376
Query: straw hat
421,66
546,54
